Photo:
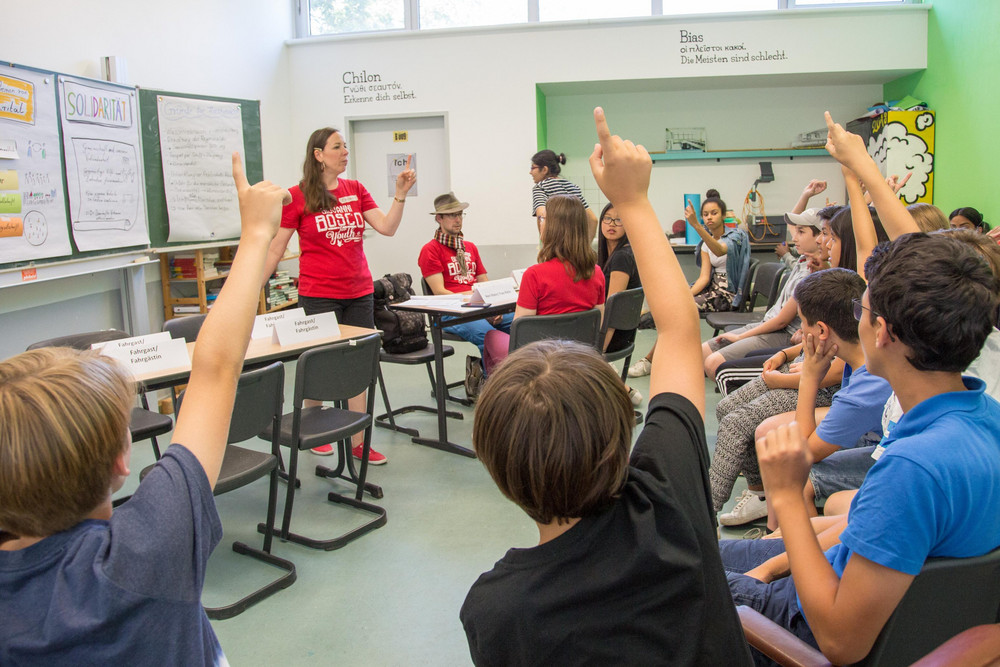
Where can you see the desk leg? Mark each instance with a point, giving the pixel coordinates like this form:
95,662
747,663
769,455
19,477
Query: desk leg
440,392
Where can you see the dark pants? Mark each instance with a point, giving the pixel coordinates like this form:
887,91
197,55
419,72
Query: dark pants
777,600
358,312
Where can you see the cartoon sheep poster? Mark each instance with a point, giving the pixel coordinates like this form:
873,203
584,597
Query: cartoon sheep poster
902,142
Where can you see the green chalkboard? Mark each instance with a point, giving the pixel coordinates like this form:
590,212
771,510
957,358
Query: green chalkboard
156,201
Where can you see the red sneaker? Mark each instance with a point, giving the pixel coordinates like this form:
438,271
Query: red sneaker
322,450
374,458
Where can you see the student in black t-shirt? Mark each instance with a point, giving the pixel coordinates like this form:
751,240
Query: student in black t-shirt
627,569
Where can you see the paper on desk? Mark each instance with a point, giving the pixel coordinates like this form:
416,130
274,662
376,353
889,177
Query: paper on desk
438,301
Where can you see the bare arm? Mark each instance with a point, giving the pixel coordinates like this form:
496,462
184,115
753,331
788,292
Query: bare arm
865,238
591,225
827,529
776,323
813,188
203,423
436,282
705,277
275,251
622,171
849,150
617,282
716,246
386,224
845,613
819,356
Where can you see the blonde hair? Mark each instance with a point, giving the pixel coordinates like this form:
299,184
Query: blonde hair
929,218
565,237
64,416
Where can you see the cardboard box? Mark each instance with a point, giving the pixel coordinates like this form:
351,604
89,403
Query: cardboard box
902,142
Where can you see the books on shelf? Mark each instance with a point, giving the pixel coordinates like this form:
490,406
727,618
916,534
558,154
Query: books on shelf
185,264
281,289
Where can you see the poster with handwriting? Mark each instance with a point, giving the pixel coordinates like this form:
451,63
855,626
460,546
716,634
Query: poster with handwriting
32,210
197,140
100,123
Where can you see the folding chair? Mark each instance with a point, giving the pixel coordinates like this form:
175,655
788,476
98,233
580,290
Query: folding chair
415,358
949,595
259,397
144,423
622,312
583,327
333,373
767,283
447,335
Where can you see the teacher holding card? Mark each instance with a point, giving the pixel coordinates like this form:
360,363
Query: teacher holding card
330,214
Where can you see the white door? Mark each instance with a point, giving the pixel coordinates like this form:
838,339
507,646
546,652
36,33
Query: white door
373,143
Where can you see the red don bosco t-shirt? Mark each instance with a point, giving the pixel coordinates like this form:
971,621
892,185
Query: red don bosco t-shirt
333,263
548,289
436,257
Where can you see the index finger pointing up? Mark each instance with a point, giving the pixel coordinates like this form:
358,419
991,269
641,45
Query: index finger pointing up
409,158
603,133
239,177
829,120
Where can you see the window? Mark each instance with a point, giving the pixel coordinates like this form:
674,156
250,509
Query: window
572,10
456,13
328,17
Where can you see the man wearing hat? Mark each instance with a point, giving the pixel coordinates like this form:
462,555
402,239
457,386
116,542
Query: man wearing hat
450,264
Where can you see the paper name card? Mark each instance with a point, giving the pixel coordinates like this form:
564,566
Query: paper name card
290,331
493,292
262,324
159,355
129,343
517,274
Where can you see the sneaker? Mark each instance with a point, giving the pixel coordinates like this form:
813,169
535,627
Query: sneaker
640,368
473,376
635,396
322,450
374,458
749,507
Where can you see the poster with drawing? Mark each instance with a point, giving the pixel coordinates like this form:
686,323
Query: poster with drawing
100,124
197,140
32,210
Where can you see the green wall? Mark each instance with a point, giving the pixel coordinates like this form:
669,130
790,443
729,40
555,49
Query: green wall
962,84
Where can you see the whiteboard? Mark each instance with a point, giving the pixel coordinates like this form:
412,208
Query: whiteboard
32,204
100,123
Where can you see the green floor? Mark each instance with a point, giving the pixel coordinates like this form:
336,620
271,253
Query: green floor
391,597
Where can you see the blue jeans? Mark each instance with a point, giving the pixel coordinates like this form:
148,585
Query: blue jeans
777,600
475,331
843,470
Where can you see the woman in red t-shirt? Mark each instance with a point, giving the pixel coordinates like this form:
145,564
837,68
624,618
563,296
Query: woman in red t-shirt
330,213
566,278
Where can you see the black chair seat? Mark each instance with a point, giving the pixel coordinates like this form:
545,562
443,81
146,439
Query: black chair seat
424,356
146,424
720,321
242,466
320,425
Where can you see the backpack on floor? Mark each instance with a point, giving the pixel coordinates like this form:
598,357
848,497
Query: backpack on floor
401,331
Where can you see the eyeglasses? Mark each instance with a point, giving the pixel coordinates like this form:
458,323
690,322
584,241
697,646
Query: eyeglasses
860,307
613,222
534,167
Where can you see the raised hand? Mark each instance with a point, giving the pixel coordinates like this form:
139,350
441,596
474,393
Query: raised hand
690,215
814,187
260,204
406,178
845,147
620,168
784,460
896,183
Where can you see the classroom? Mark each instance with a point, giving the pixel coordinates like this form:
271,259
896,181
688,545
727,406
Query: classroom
475,103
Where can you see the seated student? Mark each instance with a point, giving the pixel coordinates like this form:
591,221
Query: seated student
968,218
614,256
813,188
626,570
780,321
565,280
942,456
83,585
450,264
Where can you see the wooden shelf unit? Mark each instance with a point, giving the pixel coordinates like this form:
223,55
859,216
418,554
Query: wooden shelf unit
201,281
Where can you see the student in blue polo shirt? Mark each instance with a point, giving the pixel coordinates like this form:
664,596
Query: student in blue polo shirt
926,313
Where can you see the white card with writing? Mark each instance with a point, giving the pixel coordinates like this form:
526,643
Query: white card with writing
129,343
493,292
516,274
262,323
303,329
156,356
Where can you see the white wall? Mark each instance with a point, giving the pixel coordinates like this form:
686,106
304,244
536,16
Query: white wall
230,48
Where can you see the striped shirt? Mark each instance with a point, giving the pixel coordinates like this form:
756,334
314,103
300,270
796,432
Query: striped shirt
551,187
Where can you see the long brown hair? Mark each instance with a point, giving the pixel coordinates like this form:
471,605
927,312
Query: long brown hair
565,237
318,198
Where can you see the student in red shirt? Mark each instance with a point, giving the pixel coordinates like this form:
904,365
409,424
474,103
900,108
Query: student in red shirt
330,214
566,278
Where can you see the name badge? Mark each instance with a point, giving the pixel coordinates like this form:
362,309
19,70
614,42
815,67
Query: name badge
262,324
493,292
159,355
517,274
128,343
304,329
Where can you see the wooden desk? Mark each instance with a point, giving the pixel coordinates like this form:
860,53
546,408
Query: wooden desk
260,350
437,325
